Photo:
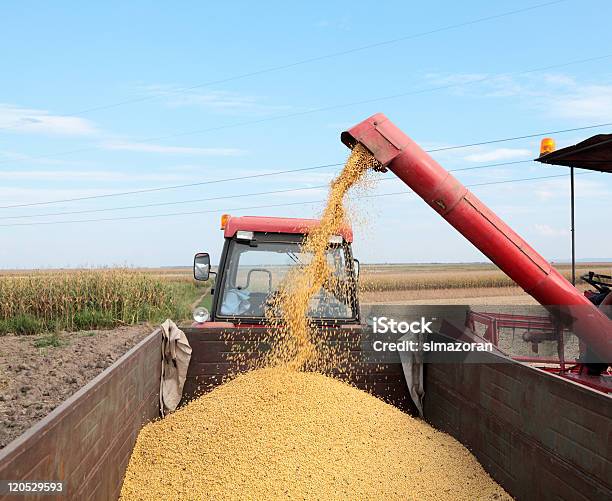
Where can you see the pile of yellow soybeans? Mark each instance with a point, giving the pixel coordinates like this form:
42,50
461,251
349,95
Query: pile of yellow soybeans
281,434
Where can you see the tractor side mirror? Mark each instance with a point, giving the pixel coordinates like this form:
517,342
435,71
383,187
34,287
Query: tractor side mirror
356,267
201,266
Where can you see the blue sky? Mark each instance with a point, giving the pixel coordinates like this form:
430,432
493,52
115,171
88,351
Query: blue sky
108,97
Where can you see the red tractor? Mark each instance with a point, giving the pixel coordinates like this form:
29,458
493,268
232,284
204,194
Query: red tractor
257,254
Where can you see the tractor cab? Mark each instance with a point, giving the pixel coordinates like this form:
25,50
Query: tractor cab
257,256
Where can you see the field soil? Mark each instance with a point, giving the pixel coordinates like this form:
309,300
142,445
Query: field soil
477,296
35,379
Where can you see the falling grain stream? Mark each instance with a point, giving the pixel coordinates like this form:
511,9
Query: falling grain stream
282,432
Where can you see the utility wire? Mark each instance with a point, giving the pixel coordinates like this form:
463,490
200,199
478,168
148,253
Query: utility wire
317,110
492,141
182,90
175,187
161,204
364,101
516,138
225,197
288,204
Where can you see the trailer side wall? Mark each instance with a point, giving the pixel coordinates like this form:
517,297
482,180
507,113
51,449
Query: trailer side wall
87,441
540,436
217,356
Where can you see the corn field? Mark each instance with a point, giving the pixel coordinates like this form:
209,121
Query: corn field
87,299
422,281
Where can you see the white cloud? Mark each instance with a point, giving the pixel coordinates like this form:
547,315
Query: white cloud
589,187
10,195
545,194
553,94
557,79
340,126
309,194
88,175
499,154
33,121
548,231
455,79
181,150
589,102
216,100
553,189
7,157
343,23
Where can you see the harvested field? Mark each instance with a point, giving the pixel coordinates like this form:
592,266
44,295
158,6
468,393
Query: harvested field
473,284
279,434
400,277
470,296
37,373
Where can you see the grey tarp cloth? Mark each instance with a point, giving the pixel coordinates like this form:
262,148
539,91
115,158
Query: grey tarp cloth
176,354
412,365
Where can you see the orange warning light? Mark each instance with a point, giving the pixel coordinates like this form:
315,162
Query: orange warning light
547,146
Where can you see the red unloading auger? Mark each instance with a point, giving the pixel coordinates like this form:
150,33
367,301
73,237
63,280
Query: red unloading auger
476,222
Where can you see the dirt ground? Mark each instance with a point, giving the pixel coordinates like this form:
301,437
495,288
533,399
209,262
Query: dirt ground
484,296
35,380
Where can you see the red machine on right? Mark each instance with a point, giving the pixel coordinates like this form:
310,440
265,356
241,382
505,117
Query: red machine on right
583,316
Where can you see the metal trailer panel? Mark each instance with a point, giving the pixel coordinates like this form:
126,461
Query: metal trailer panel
540,436
87,441
213,361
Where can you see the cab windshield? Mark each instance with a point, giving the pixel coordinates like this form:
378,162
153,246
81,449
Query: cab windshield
254,271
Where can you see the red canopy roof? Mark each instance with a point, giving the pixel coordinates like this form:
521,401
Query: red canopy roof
277,225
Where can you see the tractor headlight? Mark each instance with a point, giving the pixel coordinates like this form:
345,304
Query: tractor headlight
201,314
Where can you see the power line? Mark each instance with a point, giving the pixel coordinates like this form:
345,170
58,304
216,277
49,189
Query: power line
516,138
487,166
318,110
182,90
365,101
160,204
288,204
446,148
175,187
225,197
